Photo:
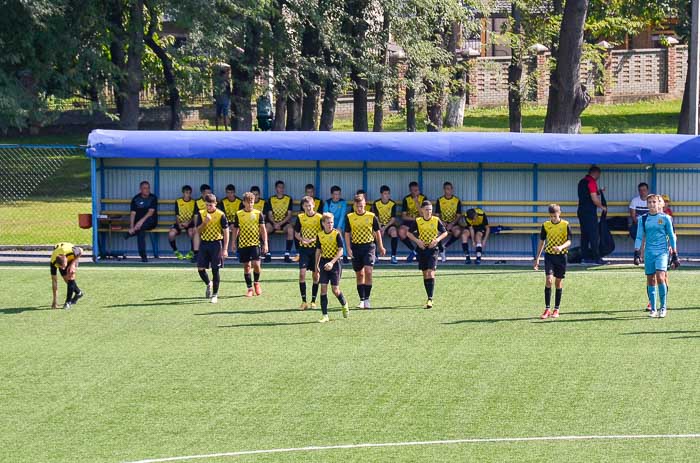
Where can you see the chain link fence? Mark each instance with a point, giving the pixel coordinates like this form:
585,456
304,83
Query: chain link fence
42,191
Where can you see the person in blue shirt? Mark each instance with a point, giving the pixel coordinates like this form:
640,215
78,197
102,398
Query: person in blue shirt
656,230
339,208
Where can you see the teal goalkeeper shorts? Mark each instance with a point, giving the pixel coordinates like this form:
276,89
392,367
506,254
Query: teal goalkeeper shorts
657,262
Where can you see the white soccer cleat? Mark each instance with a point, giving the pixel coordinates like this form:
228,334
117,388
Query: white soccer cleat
207,293
653,314
361,305
443,256
662,312
66,306
214,299
367,305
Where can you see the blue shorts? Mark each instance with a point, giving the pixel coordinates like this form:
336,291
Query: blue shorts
657,262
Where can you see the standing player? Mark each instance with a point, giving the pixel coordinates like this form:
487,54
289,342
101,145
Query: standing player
427,232
249,234
279,218
213,229
555,239
362,232
64,259
385,210
184,222
449,209
329,250
477,232
230,205
656,230
410,209
306,230
199,205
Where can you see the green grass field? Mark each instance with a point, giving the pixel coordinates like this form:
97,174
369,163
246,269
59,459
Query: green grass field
143,367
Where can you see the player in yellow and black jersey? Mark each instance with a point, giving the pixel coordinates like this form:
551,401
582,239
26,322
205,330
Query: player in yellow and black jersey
427,233
258,203
329,250
477,232
385,210
278,213
213,235
310,190
184,222
230,205
306,230
410,210
250,235
362,232
64,260
200,204
448,208
555,239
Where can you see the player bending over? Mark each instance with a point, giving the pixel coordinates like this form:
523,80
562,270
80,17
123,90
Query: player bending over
427,232
306,230
656,230
362,232
249,234
64,259
478,231
329,250
555,239
213,230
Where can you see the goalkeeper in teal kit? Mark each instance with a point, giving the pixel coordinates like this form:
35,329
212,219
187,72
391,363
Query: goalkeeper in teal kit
656,229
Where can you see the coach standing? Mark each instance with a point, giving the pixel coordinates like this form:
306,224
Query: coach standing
589,201
143,217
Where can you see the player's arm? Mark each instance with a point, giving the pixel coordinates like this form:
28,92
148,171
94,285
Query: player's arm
203,221
633,213
443,234
392,221
639,242
297,231
225,231
348,238
338,254
263,235
378,236
411,234
673,243
487,232
235,231
404,210
566,243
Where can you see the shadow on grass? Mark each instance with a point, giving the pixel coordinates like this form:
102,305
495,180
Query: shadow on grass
564,317
274,311
168,302
643,333
253,325
16,310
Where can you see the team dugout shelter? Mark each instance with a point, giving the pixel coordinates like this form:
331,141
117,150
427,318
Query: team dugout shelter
513,177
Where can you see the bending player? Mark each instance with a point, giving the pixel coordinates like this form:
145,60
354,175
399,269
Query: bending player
478,232
329,250
249,234
656,230
306,230
555,239
212,230
64,260
427,232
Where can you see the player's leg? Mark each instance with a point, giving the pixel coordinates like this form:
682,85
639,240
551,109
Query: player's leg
651,292
429,284
289,232
367,270
394,235
662,288
172,240
559,272
196,242
315,275
257,269
71,273
466,238
478,236
248,275
324,303
302,285
403,236
215,252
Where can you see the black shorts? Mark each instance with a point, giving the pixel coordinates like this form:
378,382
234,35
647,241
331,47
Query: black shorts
408,223
386,230
555,264
210,254
427,259
363,255
307,258
480,229
248,254
331,276
54,270
177,228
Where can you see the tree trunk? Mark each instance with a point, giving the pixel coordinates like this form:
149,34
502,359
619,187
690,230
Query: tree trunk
435,96
134,73
360,122
117,46
568,98
310,52
683,119
454,114
378,125
243,68
294,112
515,74
330,99
356,27
379,93
410,108
280,109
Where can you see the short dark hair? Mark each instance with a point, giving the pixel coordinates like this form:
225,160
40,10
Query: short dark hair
255,188
594,169
360,192
643,184
446,184
145,182
425,203
384,188
309,186
554,208
359,198
186,188
209,198
412,184
204,187
471,213
230,187
335,188
278,183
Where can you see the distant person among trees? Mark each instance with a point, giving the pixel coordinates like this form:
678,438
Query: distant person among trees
222,96
143,217
264,112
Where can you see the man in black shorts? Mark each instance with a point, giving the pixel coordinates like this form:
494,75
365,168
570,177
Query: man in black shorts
362,231
329,251
306,229
213,230
249,234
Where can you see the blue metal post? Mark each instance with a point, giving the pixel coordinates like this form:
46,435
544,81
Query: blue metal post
95,207
317,182
364,175
653,177
479,184
266,175
420,176
211,173
535,195
156,188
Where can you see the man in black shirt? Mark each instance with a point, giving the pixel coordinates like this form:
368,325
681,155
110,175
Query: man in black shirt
144,216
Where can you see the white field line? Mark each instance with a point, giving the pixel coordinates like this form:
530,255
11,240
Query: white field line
417,443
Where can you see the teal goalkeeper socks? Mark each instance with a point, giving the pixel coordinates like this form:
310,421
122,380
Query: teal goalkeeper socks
651,291
663,291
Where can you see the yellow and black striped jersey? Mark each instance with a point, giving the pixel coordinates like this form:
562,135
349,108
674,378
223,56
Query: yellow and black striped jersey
184,210
230,207
200,204
279,207
411,206
479,221
384,211
214,230
329,243
259,205
555,234
248,224
361,227
62,249
308,227
427,230
448,208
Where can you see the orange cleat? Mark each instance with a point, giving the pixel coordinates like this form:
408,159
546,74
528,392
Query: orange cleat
249,293
546,314
258,289
555,314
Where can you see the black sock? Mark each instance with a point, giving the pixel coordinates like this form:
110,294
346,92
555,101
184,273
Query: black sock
478,251
288,246
465,248
173,245
557,297
196,252
248,280
216,279
203,275
324,304
429,284
314,292
361,292
368,290
192,247
407,243
302,291
69,292
394,245
451,240
547,297
256,276
76,290
341,299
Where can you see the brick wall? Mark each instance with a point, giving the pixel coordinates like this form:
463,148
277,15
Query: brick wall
637,72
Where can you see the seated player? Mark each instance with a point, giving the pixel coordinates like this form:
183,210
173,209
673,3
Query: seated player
306,230
230,205
555,239
64,260
310,190
448,208
184,222
213,238
259,203
329,250
427,233
656,229
199,205
410,210
250,234
477,232
385,210
279,218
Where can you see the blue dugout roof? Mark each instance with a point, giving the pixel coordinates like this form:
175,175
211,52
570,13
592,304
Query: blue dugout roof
500,147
